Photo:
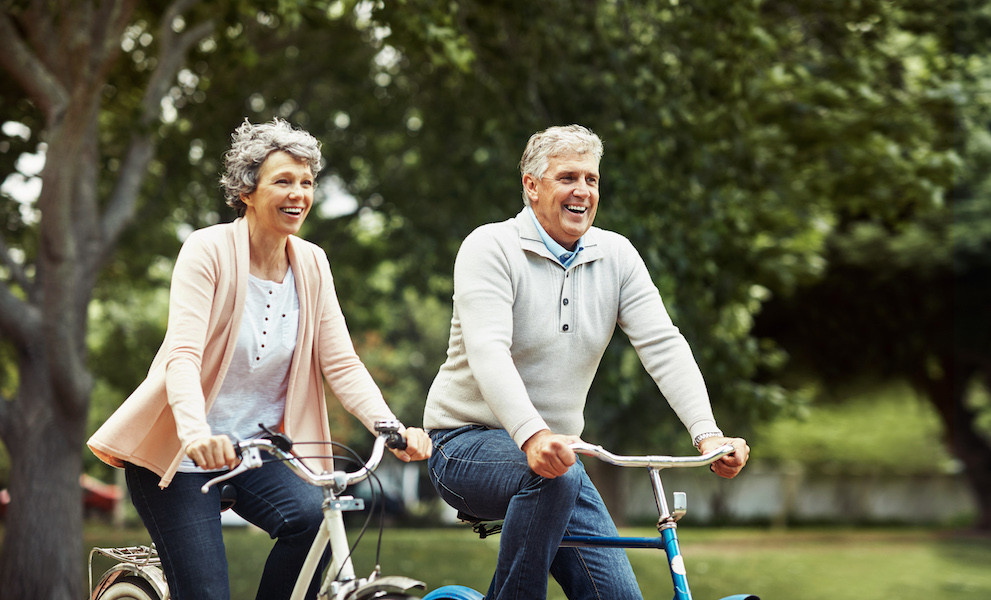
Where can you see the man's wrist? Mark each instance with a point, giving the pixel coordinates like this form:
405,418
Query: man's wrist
534,437
708,434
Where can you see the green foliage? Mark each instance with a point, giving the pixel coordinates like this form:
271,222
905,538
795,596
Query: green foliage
748,144
869,433
737,136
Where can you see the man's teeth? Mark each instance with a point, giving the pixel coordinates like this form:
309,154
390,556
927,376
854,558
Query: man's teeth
576,209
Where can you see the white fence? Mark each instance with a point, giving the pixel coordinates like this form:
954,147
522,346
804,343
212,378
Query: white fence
795,497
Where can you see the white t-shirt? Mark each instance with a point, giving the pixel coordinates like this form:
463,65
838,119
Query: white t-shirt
254,390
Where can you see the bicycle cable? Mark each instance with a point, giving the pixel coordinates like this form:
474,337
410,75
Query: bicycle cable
354,458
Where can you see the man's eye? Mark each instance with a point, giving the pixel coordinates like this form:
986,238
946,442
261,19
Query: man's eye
567,179
592,182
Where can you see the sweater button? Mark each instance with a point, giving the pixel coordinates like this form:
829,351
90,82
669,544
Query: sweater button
565,328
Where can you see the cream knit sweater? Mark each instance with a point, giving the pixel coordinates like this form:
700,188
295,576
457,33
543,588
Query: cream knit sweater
527,335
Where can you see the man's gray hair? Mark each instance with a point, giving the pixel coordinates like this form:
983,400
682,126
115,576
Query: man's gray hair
556,141
251,144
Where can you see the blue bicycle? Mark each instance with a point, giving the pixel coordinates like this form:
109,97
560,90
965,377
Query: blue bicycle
667,523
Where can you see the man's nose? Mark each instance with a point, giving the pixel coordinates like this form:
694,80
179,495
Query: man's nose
582,189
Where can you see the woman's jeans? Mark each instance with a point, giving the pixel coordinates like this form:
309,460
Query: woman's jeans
185,526
483,472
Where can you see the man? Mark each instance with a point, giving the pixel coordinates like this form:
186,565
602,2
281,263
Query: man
536,300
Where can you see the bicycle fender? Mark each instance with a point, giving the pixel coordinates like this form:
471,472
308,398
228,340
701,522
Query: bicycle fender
150,573
741,597
454,592
389,583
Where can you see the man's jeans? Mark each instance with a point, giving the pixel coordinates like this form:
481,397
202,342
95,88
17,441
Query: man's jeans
185,526
483,472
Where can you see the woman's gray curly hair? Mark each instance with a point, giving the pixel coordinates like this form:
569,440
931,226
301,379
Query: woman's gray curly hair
251,144
556,141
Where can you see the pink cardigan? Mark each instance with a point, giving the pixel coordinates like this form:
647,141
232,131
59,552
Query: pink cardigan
206,300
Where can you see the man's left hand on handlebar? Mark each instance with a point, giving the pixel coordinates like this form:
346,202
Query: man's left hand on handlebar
418,445
730,465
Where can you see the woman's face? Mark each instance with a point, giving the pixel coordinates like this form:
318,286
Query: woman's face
284,195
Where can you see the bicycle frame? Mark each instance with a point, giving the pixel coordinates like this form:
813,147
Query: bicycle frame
667,521
340,582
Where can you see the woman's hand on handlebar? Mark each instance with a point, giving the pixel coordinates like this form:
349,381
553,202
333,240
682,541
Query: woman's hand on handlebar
731,464
212,453
418,445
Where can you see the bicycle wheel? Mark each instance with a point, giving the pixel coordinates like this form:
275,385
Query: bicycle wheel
454,592
130,588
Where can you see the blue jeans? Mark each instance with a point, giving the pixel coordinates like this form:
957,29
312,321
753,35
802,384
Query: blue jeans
483,472
185,526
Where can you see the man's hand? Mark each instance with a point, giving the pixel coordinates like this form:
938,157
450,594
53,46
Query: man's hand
548,454
212,453
728,466
418,445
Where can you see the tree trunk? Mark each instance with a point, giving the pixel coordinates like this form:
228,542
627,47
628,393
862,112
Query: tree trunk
41,554
949,396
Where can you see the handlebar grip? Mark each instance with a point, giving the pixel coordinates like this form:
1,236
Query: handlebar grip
396,441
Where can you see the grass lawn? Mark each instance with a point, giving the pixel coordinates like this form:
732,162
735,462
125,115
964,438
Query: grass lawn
803,564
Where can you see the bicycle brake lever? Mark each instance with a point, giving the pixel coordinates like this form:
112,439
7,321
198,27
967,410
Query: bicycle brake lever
251,458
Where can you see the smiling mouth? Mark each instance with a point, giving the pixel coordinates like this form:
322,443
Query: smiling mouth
578,210
294,211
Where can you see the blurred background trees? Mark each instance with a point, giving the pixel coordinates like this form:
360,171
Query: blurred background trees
806,180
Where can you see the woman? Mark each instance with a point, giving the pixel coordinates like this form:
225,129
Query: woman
254,329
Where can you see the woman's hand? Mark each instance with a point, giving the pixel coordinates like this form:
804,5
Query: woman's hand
212,453
418,445
731,464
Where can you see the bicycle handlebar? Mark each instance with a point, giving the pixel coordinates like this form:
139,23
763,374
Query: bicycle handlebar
338,481
657,462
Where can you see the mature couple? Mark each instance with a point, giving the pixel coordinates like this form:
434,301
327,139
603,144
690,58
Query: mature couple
255,328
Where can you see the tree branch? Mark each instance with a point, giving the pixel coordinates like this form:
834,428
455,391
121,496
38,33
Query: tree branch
120,209
16,271
18,319
111,20
31,73
170,60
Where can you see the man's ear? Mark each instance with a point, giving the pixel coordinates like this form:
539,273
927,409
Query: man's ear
530,187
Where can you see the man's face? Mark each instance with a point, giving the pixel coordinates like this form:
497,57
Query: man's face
566,197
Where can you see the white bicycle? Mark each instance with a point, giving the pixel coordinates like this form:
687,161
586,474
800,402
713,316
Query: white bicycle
137,573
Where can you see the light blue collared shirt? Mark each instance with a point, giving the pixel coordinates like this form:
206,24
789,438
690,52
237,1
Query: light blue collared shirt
564,256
